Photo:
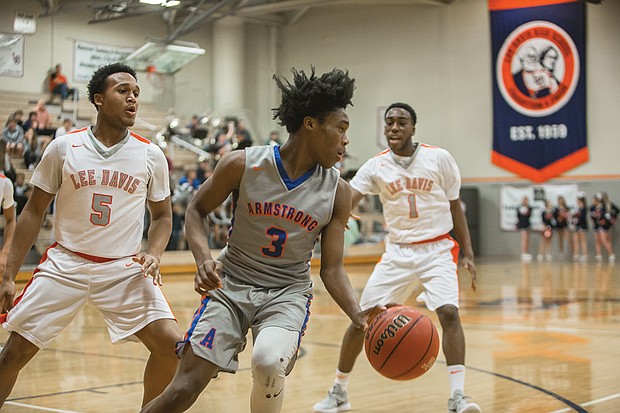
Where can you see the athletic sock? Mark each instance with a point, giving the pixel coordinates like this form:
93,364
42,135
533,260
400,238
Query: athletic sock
456,376
342,379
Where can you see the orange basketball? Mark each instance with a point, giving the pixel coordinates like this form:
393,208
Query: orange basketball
401,343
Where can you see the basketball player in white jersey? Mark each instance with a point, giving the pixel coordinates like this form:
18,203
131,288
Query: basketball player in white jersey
8,210
284,197
102,177
419,187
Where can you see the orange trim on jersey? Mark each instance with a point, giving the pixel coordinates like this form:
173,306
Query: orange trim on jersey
541,175
94,258
2,176
426,145
520,4
138,137
382,152
439,238
77,130
36,270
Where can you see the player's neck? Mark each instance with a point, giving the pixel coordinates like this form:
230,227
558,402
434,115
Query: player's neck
108,135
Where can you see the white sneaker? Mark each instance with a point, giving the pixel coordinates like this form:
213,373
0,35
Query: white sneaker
539,257
458,404
526,257
612,258
599,258
549,257
337,400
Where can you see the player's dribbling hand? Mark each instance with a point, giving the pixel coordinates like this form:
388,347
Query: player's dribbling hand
208,277
366,316
150,266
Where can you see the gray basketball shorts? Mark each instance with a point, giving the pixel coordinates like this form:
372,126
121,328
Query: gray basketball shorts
220,324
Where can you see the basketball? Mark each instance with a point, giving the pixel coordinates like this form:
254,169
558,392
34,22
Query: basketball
401,343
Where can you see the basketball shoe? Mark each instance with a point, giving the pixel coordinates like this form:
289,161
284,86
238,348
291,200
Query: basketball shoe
337,401
458,403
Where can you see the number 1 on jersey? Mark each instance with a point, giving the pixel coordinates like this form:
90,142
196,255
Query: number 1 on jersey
413,209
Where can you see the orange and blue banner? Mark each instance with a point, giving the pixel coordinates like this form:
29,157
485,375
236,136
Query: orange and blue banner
539,90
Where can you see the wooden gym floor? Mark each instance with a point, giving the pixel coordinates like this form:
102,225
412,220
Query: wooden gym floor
541,337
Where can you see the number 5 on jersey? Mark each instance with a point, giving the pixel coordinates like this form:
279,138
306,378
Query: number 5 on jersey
101,209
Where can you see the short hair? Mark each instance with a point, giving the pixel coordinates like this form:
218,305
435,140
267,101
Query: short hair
414,117
98,81
312,96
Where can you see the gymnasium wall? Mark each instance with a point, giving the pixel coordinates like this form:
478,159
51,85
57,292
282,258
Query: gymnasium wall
438,58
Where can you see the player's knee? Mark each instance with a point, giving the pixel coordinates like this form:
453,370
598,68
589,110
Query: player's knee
448,316
268,366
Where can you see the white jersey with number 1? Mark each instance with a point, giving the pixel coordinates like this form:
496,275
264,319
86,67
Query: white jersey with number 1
101,192
416,199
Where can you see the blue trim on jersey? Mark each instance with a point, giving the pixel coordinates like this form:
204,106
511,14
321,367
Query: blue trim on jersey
290,184
201,309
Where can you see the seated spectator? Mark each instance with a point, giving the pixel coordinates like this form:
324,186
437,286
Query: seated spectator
22,191
244,138
274,138
6,166
44,119
219,146
13,135
18,115
67,126
59,84
31,122
190,178
32,152
204,170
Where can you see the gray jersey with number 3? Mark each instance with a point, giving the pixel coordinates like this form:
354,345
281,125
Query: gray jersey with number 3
276,220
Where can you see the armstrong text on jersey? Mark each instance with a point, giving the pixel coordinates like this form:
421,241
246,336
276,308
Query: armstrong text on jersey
287,212
116,179
420,184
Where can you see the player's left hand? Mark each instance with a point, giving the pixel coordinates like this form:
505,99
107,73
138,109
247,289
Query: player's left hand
150,266
468,262
363,318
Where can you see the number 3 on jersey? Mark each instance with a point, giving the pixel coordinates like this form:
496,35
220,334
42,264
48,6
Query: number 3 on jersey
101,209
278,239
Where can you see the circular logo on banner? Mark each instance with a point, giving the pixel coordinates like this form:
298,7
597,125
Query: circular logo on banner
538,68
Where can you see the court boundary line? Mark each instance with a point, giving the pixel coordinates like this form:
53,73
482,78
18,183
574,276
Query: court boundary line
47,409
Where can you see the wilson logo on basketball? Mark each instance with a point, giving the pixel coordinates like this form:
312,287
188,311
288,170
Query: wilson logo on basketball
537,68
390,331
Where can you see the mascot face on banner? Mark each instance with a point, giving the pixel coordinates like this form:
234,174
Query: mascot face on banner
537,68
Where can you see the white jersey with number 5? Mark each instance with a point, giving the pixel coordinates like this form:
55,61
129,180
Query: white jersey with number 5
101,192
416,199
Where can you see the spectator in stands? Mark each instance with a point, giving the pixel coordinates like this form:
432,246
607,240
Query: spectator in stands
220,146
204,169
18,115
244,138
274,138
191,126
6,166
13,135
44,119
67,126
31,122
59,84
190,178
21,192
32,152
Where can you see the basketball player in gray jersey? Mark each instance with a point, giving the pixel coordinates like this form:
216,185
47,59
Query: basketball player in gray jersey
283,198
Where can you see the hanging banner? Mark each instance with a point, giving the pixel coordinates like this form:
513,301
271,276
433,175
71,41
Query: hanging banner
539,91
11,54
88,57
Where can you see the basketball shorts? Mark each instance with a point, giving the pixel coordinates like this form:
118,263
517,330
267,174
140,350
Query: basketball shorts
403,266
64,282
220,325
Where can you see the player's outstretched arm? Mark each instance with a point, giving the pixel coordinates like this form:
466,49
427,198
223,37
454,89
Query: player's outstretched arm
461,230
213,192
9,230
332,272
26,232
